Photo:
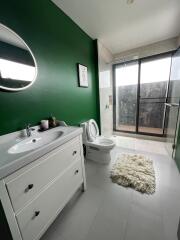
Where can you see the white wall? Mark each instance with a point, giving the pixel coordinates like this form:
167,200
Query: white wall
105,59
149,50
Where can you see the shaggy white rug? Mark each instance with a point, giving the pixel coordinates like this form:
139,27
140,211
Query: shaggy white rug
135,171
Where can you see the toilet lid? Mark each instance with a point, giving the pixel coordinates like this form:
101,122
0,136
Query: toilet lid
92,130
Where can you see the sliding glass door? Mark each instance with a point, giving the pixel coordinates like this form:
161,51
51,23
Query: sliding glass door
140,94
173,106
126,83
154,78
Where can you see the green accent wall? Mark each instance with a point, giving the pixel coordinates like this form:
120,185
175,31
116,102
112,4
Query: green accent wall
58,44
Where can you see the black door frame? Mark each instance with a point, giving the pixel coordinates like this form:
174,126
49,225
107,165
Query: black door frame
138,61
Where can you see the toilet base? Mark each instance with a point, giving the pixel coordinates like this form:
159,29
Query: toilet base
96,155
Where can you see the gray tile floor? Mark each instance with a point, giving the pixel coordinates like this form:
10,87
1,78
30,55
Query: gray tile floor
107,211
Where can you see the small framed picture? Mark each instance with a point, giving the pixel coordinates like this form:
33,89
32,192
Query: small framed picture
82,75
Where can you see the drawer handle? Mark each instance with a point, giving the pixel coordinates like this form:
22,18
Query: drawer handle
74,153
36,213
29,187
76,172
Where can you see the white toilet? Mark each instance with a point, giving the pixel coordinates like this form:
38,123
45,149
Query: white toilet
97,147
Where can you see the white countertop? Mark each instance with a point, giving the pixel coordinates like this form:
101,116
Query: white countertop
12,162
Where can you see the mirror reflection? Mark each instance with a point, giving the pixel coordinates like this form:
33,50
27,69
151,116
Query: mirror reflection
18,68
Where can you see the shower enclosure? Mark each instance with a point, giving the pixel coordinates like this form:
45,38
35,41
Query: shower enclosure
172,105
140,93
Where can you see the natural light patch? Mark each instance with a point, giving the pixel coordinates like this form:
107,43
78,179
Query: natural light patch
17,71
127,75
156,70
135,171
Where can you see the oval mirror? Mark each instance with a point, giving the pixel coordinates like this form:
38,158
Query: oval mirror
18,68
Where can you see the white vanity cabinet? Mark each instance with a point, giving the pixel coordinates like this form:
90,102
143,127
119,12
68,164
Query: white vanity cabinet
35,194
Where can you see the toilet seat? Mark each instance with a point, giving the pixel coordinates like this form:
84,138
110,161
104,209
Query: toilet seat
95,139
92,130
102,143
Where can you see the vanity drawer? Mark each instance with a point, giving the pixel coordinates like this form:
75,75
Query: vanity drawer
34,219
24,184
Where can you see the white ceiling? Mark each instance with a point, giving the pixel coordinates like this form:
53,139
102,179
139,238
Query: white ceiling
122,27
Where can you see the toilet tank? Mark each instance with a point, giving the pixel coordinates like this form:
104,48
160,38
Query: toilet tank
84,135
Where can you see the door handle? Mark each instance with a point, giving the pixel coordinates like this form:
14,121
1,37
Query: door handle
168,104
172,104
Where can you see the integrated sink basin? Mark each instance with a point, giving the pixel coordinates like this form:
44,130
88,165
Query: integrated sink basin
34,142
17,149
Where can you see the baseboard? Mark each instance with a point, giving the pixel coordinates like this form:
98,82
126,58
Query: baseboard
140,136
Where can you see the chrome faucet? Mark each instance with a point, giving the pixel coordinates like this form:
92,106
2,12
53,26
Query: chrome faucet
28,130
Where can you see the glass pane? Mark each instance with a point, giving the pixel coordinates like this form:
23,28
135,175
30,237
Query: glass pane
154,77
126,80
170,127
151,116
174,86
172,110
